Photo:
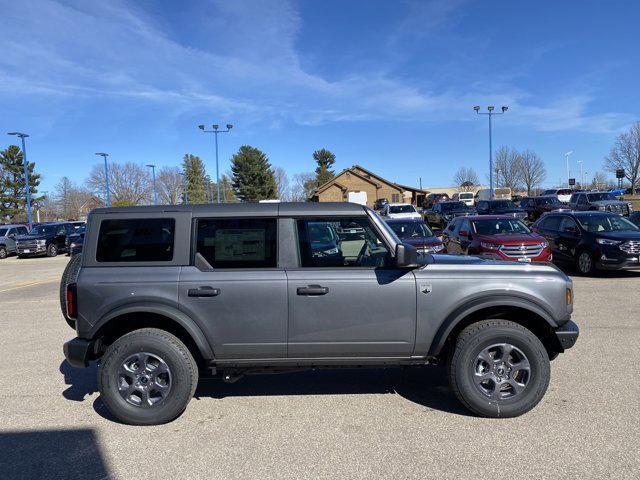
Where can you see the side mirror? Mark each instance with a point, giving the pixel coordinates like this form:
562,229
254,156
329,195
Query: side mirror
406,256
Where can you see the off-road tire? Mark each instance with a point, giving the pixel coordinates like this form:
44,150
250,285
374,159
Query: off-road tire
462,368
178,358
68,276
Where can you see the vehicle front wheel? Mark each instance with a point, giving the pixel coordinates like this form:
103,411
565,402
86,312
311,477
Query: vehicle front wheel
3,252
52,250
586,265
498,368
147,377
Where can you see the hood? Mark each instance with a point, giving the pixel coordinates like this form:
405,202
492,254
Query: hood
31,237
527,238
460,212
623,235
608,202
418,242
404,215
500,211
553,208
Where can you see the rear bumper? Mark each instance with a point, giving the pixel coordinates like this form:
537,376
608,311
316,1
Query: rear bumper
567,335
79,352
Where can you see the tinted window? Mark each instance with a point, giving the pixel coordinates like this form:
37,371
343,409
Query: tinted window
406,230
502,204
22,230
402,209
548,201
453,206
551,223
568,222
352,243
605,223
597,197
136,240
238,243
44,230
3,232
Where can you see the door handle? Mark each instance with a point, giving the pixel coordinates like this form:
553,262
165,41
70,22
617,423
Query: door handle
204,291
312,290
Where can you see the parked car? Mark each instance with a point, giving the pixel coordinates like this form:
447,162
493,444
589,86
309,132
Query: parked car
591,240
604,201
45,239
75,240
465,197
379,204
501,193
442,213
415,232
400,210
499,237
500,207
242,292
434,198
8,235
563,194
517,199
537,206
634,217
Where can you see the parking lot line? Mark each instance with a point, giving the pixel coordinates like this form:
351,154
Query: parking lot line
16,286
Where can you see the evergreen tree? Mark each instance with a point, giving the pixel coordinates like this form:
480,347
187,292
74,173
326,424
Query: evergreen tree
252,175
13,201
325,160
194,169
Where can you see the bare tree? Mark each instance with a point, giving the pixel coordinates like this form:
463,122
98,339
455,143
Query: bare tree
129,183
600,181
465,178
303,185
69,200
282,182
169,186
532,170
507,168
625,155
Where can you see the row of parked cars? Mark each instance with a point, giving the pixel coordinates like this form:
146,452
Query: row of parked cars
44,239
593,230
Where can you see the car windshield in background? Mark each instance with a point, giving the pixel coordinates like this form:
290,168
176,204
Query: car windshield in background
548,201
402,209
597,197
43,230
500,226
411,230
502,204
605,223
453,206
3,232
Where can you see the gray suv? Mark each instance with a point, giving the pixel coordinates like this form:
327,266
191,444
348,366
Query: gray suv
161,295
8,235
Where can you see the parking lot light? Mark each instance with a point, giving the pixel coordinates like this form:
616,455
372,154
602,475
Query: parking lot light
216,130
26,173
490,112
106,176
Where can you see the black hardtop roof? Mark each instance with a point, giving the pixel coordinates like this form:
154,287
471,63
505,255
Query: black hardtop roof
244,208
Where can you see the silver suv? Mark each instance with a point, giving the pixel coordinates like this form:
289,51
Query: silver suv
8,235
160,294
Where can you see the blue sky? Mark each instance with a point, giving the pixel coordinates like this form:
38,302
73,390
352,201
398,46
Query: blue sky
388,85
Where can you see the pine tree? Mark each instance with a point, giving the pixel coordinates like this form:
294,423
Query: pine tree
252,175
13,199
194,169
325,160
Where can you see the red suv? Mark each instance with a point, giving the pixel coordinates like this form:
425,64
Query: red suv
499,237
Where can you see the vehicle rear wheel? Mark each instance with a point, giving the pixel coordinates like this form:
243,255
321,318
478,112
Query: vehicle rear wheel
498,368
585,263
68,276
52,250
3,252
147,377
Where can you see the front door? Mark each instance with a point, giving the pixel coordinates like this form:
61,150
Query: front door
234,288
346,299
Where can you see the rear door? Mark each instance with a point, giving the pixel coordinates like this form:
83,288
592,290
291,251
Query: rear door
568,238
235,288
349,300
549,228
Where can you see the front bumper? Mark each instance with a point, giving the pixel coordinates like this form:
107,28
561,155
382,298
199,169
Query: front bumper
567,335
79,352
31,250
610,259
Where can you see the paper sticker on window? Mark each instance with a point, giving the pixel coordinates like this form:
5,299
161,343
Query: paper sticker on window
240,244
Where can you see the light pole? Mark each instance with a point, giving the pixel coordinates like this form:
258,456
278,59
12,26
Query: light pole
106,176
153,173
490,113
184,188
26,173
581,174
216,131
566,157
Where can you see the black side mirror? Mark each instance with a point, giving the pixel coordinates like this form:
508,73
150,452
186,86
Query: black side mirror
406,256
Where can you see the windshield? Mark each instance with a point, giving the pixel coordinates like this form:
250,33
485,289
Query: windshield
506,226
411,230
605,223
3,232
402,209
596,197
503,204
548,201
43,230
321,232
451,206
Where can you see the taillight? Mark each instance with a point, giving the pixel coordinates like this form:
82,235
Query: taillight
72,301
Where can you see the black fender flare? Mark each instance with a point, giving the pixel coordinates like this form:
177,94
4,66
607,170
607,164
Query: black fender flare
484,300
172,313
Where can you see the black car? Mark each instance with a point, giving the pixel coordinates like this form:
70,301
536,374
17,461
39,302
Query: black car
440,214
415,232
45,239
500,207
538,206
379,204
591,240
634,217
434,198
603,201
75,240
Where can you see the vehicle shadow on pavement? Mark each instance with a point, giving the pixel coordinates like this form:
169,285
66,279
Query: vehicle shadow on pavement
426,386
81,381
52,454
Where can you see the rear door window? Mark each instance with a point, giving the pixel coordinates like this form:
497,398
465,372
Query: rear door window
552,223
136,240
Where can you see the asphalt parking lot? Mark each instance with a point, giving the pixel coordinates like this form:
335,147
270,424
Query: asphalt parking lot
343,424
